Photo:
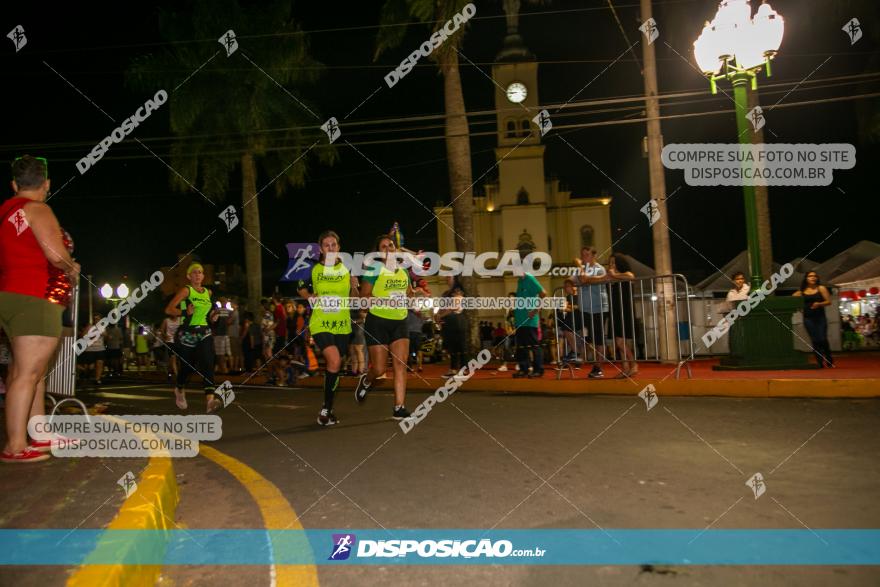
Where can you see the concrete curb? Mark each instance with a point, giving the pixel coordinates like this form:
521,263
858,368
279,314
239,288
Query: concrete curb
744,387
151,507
810,388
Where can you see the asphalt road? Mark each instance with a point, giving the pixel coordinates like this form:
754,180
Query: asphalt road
483,460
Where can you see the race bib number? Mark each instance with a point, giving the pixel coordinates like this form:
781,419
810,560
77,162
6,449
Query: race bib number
398,299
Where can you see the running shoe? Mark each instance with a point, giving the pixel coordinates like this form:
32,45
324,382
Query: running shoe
520,374
535,374
327,418
360,392
180,399
400,413
503,367
450,373
214,404
28,455
596,373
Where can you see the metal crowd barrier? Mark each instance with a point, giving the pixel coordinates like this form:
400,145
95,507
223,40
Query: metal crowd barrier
652,313
61,379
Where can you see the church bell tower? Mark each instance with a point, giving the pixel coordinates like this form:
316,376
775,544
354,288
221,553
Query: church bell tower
521,195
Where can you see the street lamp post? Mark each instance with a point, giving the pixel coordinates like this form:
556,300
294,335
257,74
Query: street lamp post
91,303
121,293
735,46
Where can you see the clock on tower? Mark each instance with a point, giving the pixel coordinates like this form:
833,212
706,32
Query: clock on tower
516,92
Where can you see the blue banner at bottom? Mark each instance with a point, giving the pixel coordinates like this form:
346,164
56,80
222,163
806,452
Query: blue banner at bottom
441,547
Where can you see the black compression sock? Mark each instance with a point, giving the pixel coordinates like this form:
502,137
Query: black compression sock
331,380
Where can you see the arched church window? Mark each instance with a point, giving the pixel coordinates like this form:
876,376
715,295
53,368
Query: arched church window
525,129
522,197
511,129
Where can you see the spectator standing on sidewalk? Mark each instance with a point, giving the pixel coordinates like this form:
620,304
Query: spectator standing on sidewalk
816,297
142,348
113,340
280,317
267,327
94,354
31,244
251,342
740,289
454,327
234,333
594,305
738,293
485,335
222,347
528,336
623,326
565,324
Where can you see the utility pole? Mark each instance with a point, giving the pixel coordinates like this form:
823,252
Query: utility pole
91,306
667,327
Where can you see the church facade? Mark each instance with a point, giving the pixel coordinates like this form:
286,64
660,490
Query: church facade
523,209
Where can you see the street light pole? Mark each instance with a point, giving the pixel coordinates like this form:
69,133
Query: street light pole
741,82
735,46
91,305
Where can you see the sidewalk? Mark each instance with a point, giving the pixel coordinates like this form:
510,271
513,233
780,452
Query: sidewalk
855,375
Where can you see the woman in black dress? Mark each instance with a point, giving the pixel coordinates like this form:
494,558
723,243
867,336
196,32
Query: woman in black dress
816,297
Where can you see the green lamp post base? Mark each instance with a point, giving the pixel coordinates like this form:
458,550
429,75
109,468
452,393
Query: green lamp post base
763,339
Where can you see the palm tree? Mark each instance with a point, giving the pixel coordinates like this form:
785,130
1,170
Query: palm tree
222,107
434,14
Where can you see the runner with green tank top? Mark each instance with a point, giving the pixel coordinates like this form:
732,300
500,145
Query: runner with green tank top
194,345
328,288
385,327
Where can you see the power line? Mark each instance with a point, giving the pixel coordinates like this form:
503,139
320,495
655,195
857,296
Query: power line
636,101
342,29
614,122
623,32
465,65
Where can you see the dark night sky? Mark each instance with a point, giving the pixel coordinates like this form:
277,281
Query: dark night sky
125,219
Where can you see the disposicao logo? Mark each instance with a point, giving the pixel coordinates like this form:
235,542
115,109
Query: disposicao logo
343,544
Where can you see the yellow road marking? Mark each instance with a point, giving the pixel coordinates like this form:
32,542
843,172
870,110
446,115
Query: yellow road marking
276,511
110,395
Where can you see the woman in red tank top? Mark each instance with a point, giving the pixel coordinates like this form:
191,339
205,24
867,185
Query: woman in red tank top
31,247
